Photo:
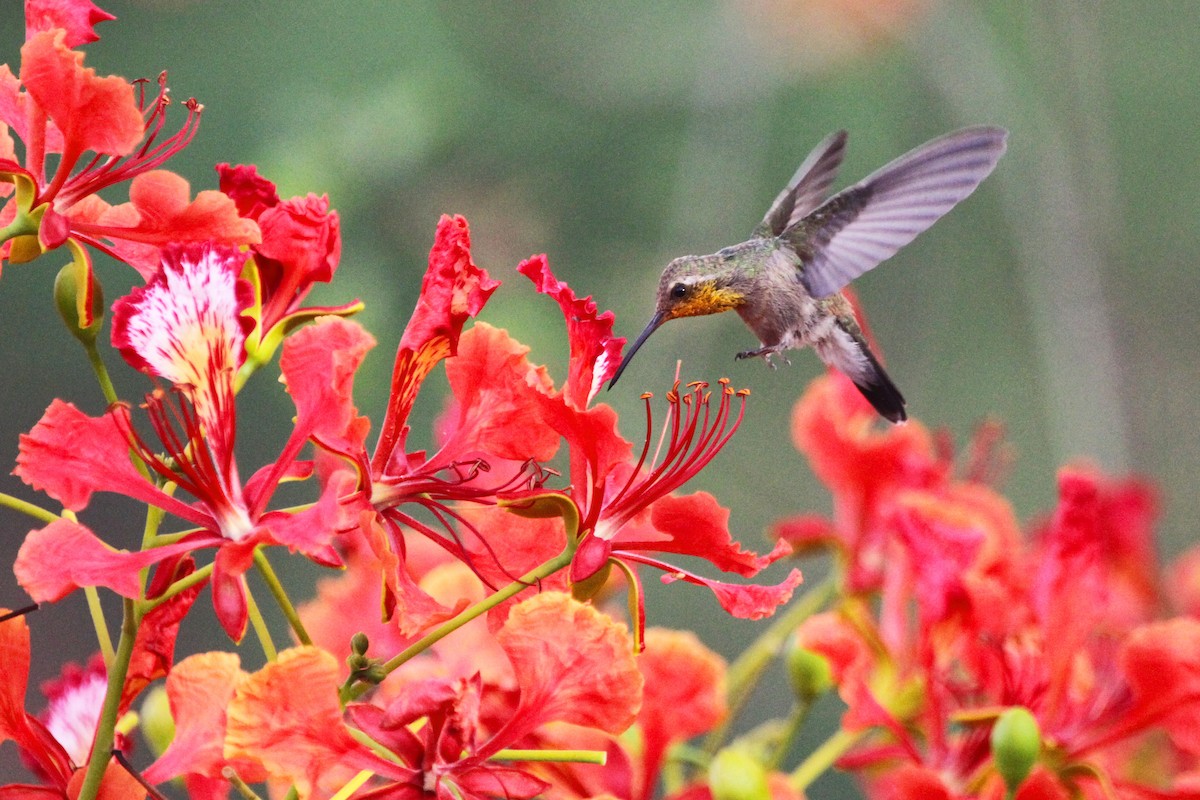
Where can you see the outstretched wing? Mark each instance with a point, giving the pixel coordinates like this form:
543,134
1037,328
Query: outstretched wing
867,223
806,190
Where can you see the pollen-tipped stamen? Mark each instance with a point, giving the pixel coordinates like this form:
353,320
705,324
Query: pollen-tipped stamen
151,155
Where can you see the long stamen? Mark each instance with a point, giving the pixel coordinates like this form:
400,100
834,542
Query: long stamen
152,154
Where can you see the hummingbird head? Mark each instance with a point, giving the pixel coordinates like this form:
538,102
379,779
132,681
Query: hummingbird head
689,287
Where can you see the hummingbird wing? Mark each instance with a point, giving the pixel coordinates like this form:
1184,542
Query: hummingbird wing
868,222
806,190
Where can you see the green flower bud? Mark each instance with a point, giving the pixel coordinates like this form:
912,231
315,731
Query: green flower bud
734,775
1016,742
359,643
158,727
66,299
810,673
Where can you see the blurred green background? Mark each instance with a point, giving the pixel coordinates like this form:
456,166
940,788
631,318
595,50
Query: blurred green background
1062,297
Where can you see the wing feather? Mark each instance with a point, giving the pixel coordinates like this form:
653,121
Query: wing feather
807,188
868,222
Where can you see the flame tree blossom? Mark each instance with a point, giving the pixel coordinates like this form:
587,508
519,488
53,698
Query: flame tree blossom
58,746
301,246
491,438
977,617
186,326
621,510
56,106
284,721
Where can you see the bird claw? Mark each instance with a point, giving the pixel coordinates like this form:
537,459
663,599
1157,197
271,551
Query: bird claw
765,353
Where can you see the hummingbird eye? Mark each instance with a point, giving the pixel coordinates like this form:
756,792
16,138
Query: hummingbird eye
678,291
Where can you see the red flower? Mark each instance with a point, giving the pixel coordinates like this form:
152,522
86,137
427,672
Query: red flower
186,326
72,724
624,508
864,466
301,246
287,719
490,437
59,106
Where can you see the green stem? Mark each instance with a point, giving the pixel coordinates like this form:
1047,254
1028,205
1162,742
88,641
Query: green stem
101,626
553,756
102,744
106,384
230,774
823,758
280,595
547,569
745,672
795,723
259,624
37,512
181,585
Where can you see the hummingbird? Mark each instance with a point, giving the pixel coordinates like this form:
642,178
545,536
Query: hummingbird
786,280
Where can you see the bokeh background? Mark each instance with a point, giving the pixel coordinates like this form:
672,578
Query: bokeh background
1062,298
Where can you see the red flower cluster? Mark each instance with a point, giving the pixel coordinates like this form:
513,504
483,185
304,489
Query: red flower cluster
465,647
980,623
427,541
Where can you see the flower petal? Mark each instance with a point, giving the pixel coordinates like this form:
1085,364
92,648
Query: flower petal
96,114
286,717
744,601
77,17
1161,661
496,411
252,193
199,690
595,352
69,455
64,556
684,694
589,678
697,525
160,211
318,365
452,290
154,647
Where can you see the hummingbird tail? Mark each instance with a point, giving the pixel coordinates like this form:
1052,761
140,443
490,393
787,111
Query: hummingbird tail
878,388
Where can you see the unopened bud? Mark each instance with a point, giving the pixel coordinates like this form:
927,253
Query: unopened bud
66,299
1016,742
158,727
734,775
810,673
359,643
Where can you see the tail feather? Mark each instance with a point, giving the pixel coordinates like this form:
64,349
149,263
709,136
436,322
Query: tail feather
878,388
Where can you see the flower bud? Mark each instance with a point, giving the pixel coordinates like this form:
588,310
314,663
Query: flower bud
1016,742
809,671
734,775
359,643
158,727
66,299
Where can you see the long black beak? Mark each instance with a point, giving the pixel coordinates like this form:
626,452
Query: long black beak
651,327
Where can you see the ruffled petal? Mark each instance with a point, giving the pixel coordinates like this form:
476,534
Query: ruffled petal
95,114
77,17
161,211
589,678
64,556
595,352
199,690
453,290
286,717
495,411
684,694
744,601
697,525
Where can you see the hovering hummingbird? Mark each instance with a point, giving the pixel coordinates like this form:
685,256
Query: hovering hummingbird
786,280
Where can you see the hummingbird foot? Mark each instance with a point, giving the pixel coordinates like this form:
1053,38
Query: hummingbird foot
765,354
